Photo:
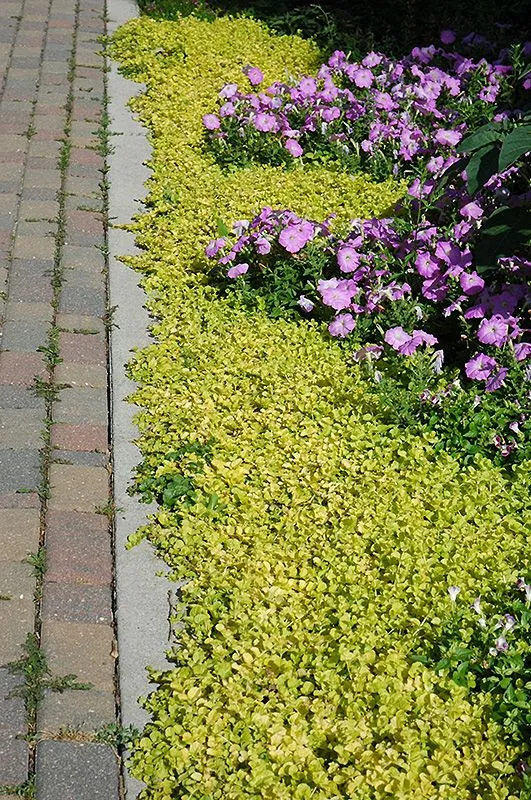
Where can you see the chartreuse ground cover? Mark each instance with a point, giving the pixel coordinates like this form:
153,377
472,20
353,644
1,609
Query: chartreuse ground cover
317,544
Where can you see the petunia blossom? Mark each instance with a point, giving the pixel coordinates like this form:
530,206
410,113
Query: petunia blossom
265,123
211,122
493,331
497,380
396,337
237,270
471,210
293,239
522,350
448,137
480,367
342,325
336,293
213,247
255,75
348,259
471,283
447,37
294,148
305,303
453,591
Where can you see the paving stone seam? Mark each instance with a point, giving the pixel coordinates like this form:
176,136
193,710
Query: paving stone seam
30,751
55,280
67,641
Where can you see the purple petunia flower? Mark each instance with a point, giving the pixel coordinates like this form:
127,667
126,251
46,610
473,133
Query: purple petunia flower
480,367
453,591
427,265
305,303
342,325
265,123
307,87
501,644
510,622
336,293
522,350
497,380
471,283
396,337
237,270
263,246
213,247
348,259
255,75
449,138
471,210
493,331
229,90
296,235
447,37
294,148
211,122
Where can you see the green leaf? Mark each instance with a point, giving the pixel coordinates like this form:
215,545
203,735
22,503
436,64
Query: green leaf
515,145
222,228
504,231
485,135
482,165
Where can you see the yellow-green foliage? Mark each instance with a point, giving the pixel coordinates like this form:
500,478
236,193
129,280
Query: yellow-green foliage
320,545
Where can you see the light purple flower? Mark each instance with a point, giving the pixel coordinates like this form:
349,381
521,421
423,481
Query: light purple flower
263,246
348,259
240,226
427,265
295,236
493,331
265,123
480,367
397,337
336,293
447,137
522,350
363,78
342,325
497,380
438,360
229,90
294,148
306,304
476,605
255,75
307,87
213,247
510,622
501,644
227,109
471,283
471,210
447,37
435,164
453,591
237,270
211,122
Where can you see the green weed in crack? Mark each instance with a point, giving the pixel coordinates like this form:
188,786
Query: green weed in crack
33,667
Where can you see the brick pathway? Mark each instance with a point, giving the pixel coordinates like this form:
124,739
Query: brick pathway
54,459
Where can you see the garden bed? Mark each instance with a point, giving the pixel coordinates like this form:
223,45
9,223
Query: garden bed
320,544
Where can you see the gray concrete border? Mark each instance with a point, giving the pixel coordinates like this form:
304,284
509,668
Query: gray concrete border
142,597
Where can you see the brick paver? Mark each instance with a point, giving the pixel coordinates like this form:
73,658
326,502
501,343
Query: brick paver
54,457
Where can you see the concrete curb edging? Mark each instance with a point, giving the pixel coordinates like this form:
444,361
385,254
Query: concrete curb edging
142,602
